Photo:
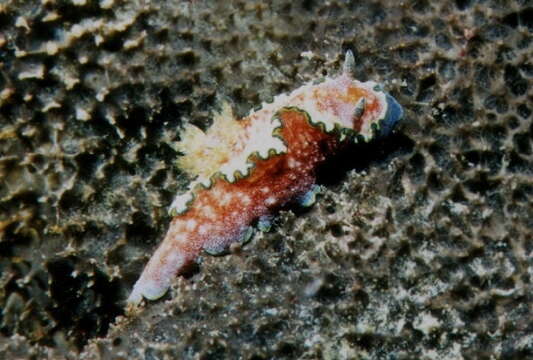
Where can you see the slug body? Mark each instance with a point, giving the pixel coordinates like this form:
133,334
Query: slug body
244,170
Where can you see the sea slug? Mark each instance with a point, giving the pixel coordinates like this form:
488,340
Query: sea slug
244,170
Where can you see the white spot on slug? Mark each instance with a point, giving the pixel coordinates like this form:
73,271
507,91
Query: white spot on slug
270,200
226,199
208,211
191,224
203,229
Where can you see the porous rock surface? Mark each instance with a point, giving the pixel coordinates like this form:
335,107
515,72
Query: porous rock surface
419,247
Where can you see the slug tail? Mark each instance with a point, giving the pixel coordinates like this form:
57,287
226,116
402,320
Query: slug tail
168,261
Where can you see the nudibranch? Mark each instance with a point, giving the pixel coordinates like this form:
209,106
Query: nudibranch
244,170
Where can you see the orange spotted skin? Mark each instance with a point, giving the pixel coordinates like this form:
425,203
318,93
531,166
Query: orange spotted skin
272,183
221,214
